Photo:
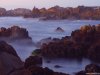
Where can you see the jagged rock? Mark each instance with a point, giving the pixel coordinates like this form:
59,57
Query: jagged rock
15,34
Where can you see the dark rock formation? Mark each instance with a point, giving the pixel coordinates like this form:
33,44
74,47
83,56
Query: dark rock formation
81,73
90,69
43,71
15,34
59,30
9,60
57,66
33,61
84,42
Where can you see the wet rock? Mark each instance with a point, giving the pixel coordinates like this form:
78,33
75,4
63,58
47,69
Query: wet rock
59,29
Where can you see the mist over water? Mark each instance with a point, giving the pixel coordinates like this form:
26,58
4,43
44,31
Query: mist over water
43,29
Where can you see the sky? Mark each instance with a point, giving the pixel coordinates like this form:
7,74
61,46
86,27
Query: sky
11,4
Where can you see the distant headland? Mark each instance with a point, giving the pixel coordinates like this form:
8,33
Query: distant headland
56,13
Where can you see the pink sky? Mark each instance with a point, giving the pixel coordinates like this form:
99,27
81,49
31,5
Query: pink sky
11,4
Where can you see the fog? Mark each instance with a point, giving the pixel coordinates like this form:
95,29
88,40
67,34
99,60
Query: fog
39,30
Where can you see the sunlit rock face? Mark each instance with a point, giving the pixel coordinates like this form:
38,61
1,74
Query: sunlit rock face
9,60
84,42
15,34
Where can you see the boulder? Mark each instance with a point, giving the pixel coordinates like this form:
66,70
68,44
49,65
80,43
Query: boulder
33,61
9,59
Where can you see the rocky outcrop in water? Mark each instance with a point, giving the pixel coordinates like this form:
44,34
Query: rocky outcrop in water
59,29
84,42
15,34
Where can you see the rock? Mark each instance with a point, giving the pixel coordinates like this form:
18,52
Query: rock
43,71
59,30
9,59
37,52
92,68
44,41
57,66
2,11
20,12
84,42
21,72
4,47
81,73
15,34
33,60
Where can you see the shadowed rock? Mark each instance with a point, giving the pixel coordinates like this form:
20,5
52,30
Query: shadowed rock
9,59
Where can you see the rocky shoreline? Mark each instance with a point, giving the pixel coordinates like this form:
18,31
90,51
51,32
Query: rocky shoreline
56,13
10,64
83,42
